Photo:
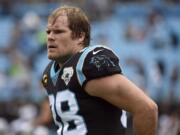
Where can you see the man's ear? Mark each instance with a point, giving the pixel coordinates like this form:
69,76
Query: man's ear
81,37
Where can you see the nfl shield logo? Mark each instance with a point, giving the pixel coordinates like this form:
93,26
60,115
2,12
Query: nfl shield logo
67,74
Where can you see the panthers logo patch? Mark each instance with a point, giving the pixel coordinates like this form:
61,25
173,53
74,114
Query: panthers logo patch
67,74
102,61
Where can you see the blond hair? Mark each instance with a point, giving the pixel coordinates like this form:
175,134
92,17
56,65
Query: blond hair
77,20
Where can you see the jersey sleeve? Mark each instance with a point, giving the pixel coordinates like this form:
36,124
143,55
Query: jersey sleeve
45,76
99,62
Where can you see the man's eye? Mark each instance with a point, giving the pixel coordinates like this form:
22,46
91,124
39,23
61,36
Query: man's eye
58,31
48,31
54,31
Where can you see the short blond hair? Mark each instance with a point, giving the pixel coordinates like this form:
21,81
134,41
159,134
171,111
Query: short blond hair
77,20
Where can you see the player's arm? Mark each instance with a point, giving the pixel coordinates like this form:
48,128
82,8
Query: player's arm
121,92
44,117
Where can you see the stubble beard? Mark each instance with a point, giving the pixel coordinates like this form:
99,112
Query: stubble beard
60,59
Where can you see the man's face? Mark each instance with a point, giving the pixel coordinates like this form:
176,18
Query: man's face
60,44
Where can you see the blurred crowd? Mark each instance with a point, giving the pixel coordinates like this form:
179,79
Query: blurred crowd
145,34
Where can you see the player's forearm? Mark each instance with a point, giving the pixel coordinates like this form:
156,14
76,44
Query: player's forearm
145,121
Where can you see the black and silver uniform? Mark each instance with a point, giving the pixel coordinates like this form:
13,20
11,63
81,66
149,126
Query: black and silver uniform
74,111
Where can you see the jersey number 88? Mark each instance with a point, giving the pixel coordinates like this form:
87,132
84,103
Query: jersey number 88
64,110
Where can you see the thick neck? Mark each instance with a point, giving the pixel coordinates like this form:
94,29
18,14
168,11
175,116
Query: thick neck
63,60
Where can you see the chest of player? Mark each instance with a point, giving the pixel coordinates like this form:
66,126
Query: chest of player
63,78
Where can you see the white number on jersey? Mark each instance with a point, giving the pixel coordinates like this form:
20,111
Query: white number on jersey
64,106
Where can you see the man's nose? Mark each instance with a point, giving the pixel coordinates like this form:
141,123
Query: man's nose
50,36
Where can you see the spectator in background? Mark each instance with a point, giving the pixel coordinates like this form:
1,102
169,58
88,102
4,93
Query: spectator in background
6,7
157,30
169,123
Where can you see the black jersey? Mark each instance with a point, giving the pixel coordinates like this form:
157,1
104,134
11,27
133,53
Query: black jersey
74,111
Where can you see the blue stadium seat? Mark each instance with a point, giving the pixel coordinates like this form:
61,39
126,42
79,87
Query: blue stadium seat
6,26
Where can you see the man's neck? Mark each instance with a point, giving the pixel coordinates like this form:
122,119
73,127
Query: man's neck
62,61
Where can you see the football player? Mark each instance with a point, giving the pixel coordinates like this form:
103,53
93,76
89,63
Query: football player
86,88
